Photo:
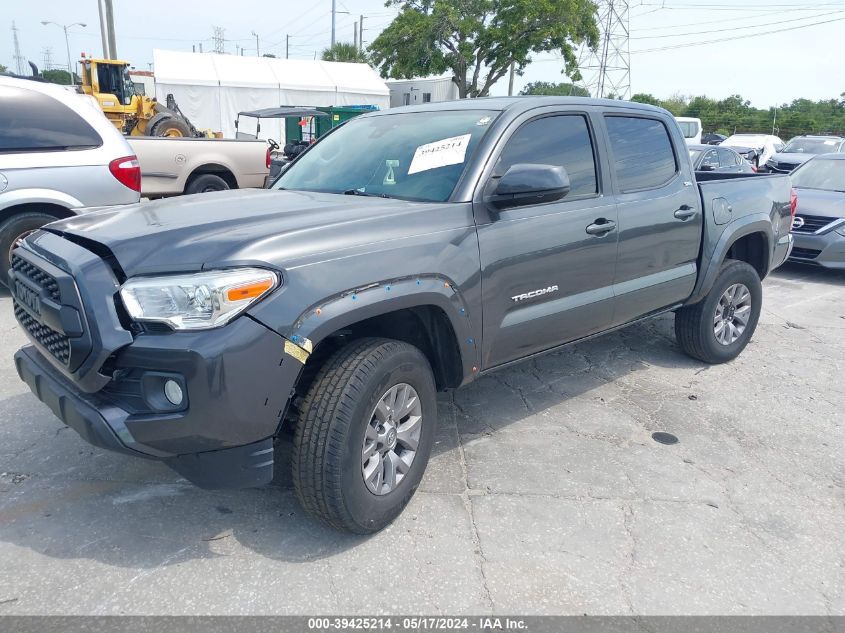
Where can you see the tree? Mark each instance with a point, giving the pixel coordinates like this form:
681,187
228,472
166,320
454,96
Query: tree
58,76
344,52
554,89
3,68
478,40
648,99
269,55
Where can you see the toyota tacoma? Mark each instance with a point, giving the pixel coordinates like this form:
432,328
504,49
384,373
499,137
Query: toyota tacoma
409,251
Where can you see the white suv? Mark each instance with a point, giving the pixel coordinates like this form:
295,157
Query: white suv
59,156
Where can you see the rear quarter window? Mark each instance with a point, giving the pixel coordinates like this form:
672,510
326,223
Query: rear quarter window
643,156
35,122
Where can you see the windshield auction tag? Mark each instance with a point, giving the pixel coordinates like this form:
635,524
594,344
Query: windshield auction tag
449,151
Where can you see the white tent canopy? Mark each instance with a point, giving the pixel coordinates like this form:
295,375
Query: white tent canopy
211,89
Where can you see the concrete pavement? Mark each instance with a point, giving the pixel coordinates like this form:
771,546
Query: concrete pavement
545,494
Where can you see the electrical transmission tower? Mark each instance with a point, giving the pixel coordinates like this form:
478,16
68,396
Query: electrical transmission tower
218,39
20,62
47,58
607,70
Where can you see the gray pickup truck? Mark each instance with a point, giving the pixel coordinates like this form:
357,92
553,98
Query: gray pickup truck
409,251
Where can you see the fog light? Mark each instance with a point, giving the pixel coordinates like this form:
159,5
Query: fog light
173,392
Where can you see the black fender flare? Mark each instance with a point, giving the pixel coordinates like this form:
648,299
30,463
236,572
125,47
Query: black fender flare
354,305
710,265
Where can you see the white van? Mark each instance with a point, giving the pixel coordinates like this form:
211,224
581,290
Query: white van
691,129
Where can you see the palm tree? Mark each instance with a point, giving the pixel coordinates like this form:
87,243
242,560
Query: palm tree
344,52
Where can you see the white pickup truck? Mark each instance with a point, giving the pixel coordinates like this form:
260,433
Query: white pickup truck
175,166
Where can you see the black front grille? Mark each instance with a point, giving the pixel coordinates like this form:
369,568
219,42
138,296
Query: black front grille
38,276
54,342
805,253
785,166
812,223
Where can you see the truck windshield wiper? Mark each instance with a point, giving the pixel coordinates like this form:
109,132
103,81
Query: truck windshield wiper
358,192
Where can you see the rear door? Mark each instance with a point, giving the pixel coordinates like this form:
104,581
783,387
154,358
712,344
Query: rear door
659,215
545,279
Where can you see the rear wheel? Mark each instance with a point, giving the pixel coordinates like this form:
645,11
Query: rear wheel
13,231
365,433
719,327
205,183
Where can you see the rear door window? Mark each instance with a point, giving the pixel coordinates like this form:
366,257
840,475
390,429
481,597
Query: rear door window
34,122
643,155
560,140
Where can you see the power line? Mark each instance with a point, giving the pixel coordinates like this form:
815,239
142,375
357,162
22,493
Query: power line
721,20
735,37
736,28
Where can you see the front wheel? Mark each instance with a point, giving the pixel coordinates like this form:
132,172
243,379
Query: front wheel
719,327
365,433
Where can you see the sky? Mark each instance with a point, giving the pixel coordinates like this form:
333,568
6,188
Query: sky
769,51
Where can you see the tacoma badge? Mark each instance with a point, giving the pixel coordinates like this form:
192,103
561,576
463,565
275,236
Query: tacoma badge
535,293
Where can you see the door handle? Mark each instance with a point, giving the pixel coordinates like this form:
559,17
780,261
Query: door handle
685,212
601,227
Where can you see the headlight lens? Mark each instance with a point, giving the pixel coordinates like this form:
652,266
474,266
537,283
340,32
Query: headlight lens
840,229
199,301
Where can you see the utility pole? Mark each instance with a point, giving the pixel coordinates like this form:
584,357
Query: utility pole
355,36
257,51
19,60
607,70
334,11
510,81
775,122
361,33
110,29
103,30
200,47
287,46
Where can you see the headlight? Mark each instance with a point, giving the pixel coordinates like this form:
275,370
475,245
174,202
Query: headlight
199,301
840,229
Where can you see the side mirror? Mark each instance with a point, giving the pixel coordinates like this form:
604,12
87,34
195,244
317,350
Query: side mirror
525,183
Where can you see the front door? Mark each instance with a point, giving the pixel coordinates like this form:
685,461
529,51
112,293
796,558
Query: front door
546,280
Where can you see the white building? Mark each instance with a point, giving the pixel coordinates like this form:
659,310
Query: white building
421,90
211,89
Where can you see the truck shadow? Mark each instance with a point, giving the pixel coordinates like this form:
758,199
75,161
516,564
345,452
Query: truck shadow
61,498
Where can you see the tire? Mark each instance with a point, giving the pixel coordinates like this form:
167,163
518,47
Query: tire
206,182
171,126
696,325
16,228
328,464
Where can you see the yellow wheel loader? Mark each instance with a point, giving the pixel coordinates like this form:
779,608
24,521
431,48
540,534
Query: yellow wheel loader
108,81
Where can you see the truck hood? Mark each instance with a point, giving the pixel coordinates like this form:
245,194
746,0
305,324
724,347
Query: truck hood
208,230
823,203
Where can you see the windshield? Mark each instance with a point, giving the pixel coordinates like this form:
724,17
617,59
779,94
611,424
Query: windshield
413,156
812,146
689,128
825,174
